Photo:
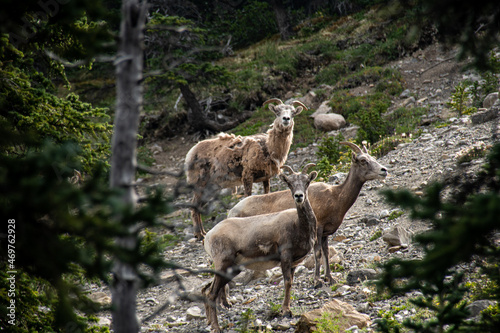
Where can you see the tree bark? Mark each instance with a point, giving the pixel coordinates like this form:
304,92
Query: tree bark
197,118
129,67
283,19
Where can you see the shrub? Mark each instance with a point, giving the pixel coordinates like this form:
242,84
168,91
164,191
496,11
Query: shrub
461,99
330,74
372,125
328,322
329,154
462,226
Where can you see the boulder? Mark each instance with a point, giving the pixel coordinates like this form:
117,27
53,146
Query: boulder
361,275
341,313
490,100
101,298
332,255
397,236
370,220
476,307
350,132
322,109
484,116
194,312
309,100
329,122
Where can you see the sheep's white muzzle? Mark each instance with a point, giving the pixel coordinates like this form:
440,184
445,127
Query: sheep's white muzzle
299,197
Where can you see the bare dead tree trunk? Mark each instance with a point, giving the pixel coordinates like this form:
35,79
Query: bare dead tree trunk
197,118
123,156
283,19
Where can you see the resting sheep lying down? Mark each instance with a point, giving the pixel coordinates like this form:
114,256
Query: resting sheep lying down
229,160
262,242
330,203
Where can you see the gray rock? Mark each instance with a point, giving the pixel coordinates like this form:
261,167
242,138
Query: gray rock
194,312
490,100
329,122
309,99
361,275
409,101
397,236
350,132
405,94
322,109
369,220
476,307
384,213
484,116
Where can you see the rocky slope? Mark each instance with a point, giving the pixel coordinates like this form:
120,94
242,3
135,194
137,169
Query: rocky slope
174,305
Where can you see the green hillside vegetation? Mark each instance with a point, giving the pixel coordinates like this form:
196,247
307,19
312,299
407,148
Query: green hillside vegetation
343,52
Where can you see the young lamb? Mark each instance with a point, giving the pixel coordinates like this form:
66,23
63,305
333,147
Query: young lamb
229,160
330,203
262,242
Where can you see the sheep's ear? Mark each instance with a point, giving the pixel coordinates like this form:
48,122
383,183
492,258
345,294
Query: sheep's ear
313,175
274,109
297,111
283,178
354,157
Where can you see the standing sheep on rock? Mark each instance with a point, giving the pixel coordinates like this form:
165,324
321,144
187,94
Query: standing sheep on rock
229,160
262,242
329,202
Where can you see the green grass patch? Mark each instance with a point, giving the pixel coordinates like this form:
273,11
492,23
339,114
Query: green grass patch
376,235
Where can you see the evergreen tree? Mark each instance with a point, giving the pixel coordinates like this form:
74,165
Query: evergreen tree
462,233
63,233
60,223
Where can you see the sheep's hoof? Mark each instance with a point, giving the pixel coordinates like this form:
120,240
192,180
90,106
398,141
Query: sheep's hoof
199,237
225,304
330,281
287,314
215,330
318,284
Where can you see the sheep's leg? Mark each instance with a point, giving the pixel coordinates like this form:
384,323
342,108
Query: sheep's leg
288,270
317,258
211,292
198,230
214,292
247,184
222,299
266,185
328,275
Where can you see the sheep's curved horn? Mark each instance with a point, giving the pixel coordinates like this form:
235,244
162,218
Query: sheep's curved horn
286,167
351,145
295,103
273,100
304,170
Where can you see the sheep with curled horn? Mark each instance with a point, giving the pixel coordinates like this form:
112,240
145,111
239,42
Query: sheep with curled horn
229,160
330,203
262,242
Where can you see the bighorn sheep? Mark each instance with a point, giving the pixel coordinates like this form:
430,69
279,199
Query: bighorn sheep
262,242
229,160
330,203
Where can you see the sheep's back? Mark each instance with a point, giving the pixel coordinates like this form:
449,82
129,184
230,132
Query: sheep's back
318,194
222,160
250,237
